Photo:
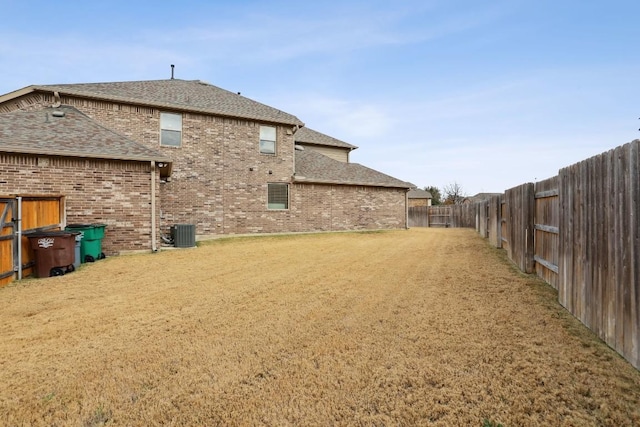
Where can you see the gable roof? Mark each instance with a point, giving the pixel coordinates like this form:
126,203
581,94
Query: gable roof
416,193
314,167
172,94
65,131
480,197
309,136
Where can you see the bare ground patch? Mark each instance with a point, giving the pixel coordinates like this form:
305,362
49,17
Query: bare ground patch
418,327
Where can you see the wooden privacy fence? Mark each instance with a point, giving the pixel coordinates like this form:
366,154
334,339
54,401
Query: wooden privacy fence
599,251
418,216
442,216
518,205
580,232
547,231
18,217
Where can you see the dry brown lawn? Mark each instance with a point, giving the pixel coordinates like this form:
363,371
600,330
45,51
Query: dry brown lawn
417,327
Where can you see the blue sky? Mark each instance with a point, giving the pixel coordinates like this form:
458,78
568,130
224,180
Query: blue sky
488,94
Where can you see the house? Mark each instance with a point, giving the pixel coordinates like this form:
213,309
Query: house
59,151
480,197
330,147
418,197
187,152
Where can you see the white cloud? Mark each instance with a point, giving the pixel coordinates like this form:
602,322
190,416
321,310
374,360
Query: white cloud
488,128
349,120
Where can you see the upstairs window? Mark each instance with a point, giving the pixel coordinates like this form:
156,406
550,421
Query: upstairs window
267,140
170,129
278,197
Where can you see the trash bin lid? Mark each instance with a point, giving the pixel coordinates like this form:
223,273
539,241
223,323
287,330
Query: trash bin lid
79,226
51,234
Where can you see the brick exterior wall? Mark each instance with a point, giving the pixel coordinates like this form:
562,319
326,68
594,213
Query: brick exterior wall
109,192
219,178
418,202
322,207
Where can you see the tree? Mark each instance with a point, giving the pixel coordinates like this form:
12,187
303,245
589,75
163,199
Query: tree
453,194
436,197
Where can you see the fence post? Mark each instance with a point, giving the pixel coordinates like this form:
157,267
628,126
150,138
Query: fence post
520,203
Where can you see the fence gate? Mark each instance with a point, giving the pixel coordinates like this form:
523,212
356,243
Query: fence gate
439,216
418,216
8,248
18,217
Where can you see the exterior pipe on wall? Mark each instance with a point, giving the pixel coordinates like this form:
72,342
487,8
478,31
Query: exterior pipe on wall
406,210
56,97
154,246
19,236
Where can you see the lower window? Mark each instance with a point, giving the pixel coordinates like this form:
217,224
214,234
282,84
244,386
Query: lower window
278,196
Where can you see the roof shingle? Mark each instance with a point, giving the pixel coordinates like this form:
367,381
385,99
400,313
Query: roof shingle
309,136
185,95
417,193
314,167
73,134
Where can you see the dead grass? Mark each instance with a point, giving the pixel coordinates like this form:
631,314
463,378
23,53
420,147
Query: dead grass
418,327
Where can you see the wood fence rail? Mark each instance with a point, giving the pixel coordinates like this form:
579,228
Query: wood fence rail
580,232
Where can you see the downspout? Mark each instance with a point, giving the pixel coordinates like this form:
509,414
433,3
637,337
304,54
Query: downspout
406,209
154,246
19,236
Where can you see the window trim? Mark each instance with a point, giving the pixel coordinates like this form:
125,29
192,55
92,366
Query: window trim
274,141
163,129
288,201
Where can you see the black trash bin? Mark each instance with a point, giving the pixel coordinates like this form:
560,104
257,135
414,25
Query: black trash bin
54,252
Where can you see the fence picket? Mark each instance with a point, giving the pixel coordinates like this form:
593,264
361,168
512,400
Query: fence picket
580,232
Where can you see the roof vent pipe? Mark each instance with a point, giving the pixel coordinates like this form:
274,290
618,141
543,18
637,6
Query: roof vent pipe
56,97
172,67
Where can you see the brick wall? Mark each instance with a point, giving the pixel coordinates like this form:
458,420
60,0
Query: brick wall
219,178
418,202
322,207
110,192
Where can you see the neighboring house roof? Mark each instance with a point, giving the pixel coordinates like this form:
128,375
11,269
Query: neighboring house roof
309,136
176,94
73,134
314,167
419,194
480,197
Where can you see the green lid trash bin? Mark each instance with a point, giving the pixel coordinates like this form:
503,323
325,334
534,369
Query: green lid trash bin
54,252
91,242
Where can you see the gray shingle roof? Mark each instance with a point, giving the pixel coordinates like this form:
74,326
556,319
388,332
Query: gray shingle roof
309,136
480,197
419,194
184,95
75,135
314,167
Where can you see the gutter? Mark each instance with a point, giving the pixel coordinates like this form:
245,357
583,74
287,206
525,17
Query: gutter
301,179
103,156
